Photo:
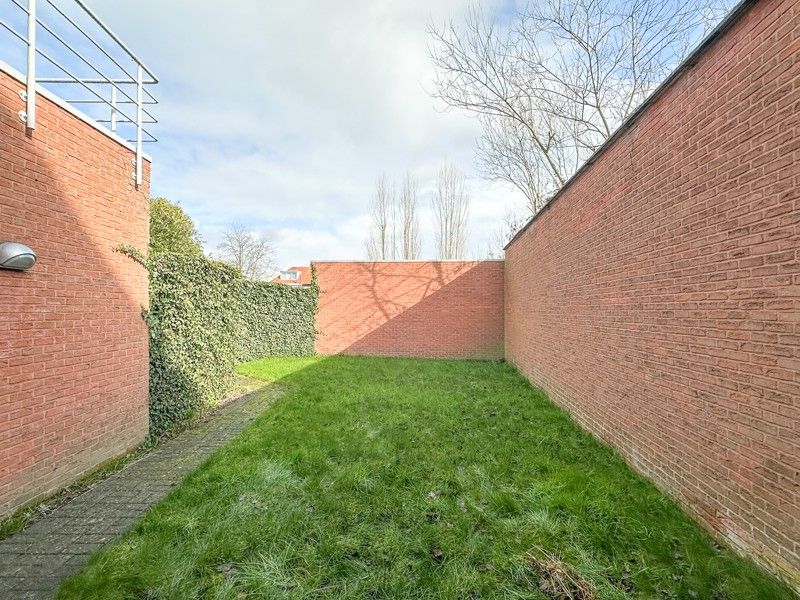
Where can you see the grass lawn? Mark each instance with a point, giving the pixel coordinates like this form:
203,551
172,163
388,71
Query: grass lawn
385,478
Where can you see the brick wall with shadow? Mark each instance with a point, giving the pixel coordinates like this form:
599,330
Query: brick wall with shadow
658,297
73,344
438,309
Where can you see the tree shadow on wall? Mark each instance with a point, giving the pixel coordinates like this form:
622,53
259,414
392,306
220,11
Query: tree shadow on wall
432,313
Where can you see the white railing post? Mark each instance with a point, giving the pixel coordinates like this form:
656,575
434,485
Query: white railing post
30,92
113,107
139,100
27,95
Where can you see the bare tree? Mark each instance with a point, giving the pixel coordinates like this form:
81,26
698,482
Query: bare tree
450,212
381,239
513,221
251,254
553,85
411,246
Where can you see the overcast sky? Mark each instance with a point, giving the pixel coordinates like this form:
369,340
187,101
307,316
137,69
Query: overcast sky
281,116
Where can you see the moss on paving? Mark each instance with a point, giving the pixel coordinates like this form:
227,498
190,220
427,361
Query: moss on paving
388,478
30,513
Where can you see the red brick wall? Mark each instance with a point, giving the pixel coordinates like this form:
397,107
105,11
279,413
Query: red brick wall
658,298
73,346
421,308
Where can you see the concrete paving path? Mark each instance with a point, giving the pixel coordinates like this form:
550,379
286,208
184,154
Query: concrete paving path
34,561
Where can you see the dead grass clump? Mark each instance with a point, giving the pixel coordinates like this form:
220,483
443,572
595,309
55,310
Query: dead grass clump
556,579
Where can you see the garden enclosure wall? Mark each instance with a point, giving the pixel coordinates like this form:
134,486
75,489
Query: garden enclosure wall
73,345
440,309
657,298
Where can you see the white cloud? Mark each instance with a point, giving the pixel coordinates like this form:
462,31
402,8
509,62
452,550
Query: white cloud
281,115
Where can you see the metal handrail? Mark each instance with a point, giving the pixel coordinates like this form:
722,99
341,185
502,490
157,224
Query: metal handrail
116,84
83,59
113,36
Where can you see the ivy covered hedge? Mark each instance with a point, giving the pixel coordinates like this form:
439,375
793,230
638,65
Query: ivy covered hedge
204,317
276,320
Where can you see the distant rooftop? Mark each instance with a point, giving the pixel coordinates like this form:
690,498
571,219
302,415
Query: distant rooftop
296,276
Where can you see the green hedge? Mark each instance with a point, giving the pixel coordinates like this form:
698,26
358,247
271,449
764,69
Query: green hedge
277,320
204,317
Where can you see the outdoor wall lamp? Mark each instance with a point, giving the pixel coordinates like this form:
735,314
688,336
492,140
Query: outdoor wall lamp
17,257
